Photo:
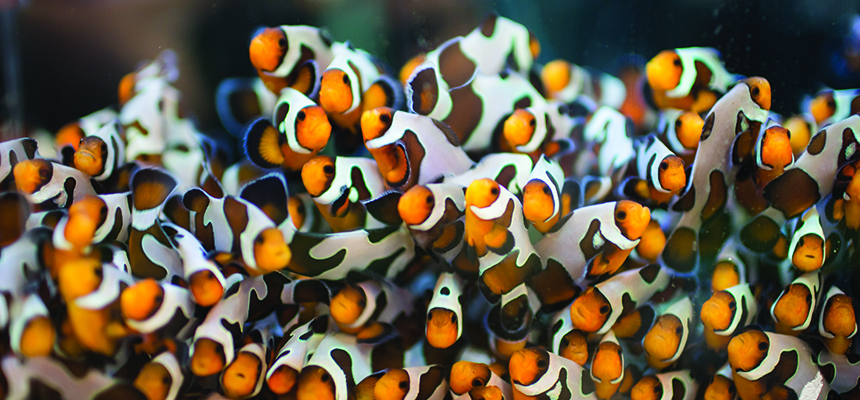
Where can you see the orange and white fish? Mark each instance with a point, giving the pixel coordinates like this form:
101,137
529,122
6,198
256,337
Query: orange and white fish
727,313
244,377
536,372
445,312
281,55
829,106
433,213
510,170
33,377
600,306
680,130
609,135
162,309
31,331
206,281
71,133
360,304
837,324
842,371
793,309
165,67
338,184
338,364
802,127
667,338
473,380
659,173
808,249
565,81
163,377
15,151
300,345
541,128
607,366
426,382
566,340
677,72
708,184
411,149
102,152
722,387
729,268
299,131
542,195
54,184
678,385
150,253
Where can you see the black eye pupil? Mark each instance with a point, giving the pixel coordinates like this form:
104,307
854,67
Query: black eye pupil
541,364
604,309
325,377
282,42
621,215
532,123
564,343
677,62
362,303
762,346
679,330
385,118
346,79
664,165
732,305
808,299
831,103
546,189
453,318
755,91
477,382
678,123
429,200
328,169
403,385
494,191
300,116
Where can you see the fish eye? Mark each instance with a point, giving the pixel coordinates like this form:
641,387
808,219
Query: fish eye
664,165
362,303
159,298
755,91
43,173
477,382
545,189
831,103
385,118
621,215
808,299
328,169
346,79
403,385
301,115
219,350
541,364
103,211
165,380
445,291
679,331
676,62
325,377
762,346
454,319
732,305
98,273
658,389
532,123
282,42
258,240
494,191
678,123
604,309
564,343
429,200
732,389
429,316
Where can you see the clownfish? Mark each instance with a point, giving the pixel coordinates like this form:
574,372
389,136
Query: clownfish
678,385
667,338
565,81
162,377
338,184
807,250
43,181
206,281
31,331
150,253
445,312
73,236
842,372
542,195
357,305
600,306
510,170
424,382
244,377
536,373
729,268
496,234
651,242
607,366
239,100
146,120
810,178
338,364
694,73
38,377
102,152
593,240
680,130
163,309
433,213
845,197
511,319
467,377
354,83
473,111
301,343
333,255
291,55
609,135
539,129
566,340
15,151
774,365
722,387
829,106
21,261
772,154
71,133
792,311
299,132
411,149
837,324
726,313
659,175
801,126
707,186
164,67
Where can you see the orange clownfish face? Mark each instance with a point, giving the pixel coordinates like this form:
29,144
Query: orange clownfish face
268,49
792,308
574,347
688,129
519,127
416,205
315,384
608,366
726,275
759,91
336,95
747,350
70,134
154,381
348,304
32,175
375,122
205,288
240,378
556,75
393,385
839,320
317,174
141,300
648,388
801,133
271,252
718,311
481,193
466,375
662,340
37,338
528,365
664,70
538,204
631,218
442,327
721,388
297,211
590,311
672,175
91,155
808,253
822,107
776,151
282,380
313,128
79,277
85,216
208,358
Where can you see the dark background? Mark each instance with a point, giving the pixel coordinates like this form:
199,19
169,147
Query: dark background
73,52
